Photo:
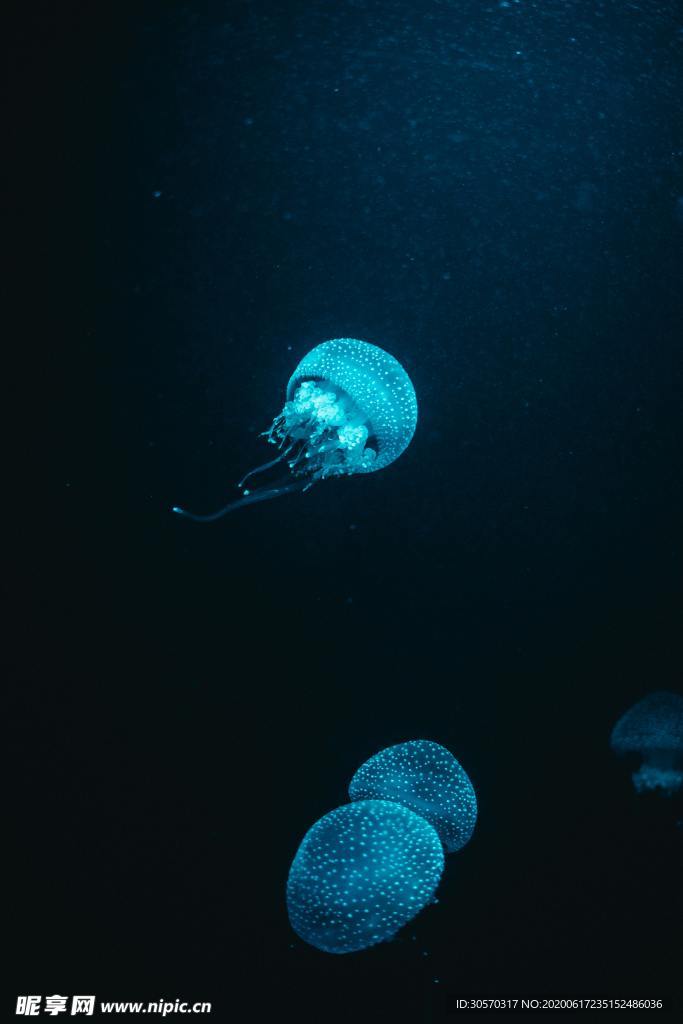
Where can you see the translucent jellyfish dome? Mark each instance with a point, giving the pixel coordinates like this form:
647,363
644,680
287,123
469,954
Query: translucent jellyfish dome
350,408
362,872
653,728
426,778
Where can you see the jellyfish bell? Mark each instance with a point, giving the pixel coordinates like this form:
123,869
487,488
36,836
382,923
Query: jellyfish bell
350,408
653,728
360,874
426,778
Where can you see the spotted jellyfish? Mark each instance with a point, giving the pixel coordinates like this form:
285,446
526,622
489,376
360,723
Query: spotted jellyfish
366,869
426,778
360,874
351,408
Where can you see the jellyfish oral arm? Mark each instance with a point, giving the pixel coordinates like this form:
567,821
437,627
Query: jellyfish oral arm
328,429
653,728
661,769
312,448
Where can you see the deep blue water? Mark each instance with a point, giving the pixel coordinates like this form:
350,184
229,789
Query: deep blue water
493,193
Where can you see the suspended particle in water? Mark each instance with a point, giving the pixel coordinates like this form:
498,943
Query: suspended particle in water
362,872
350,409
426,778
653,728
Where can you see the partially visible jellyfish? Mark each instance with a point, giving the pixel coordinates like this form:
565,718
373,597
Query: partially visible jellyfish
351,408
362,872
426,778
653,728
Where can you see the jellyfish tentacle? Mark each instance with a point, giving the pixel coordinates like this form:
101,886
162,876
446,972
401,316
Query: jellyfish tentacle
248,498
301,454
274,435
265,466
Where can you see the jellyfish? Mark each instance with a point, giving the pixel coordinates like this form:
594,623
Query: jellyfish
350,408
362,872
653,728
426,778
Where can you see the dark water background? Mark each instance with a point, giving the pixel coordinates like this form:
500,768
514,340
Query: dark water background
492,192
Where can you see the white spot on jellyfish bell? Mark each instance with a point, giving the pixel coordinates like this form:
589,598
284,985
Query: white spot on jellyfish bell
362,872
653,728
426,778
351,408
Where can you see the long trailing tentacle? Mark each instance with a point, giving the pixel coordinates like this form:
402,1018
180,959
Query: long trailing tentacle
318,434
248,498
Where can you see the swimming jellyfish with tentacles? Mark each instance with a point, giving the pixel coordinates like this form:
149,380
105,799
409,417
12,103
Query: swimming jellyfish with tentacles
351,408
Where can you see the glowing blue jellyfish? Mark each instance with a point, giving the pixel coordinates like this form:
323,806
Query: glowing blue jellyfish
360,874
426,778
653,728
351,408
